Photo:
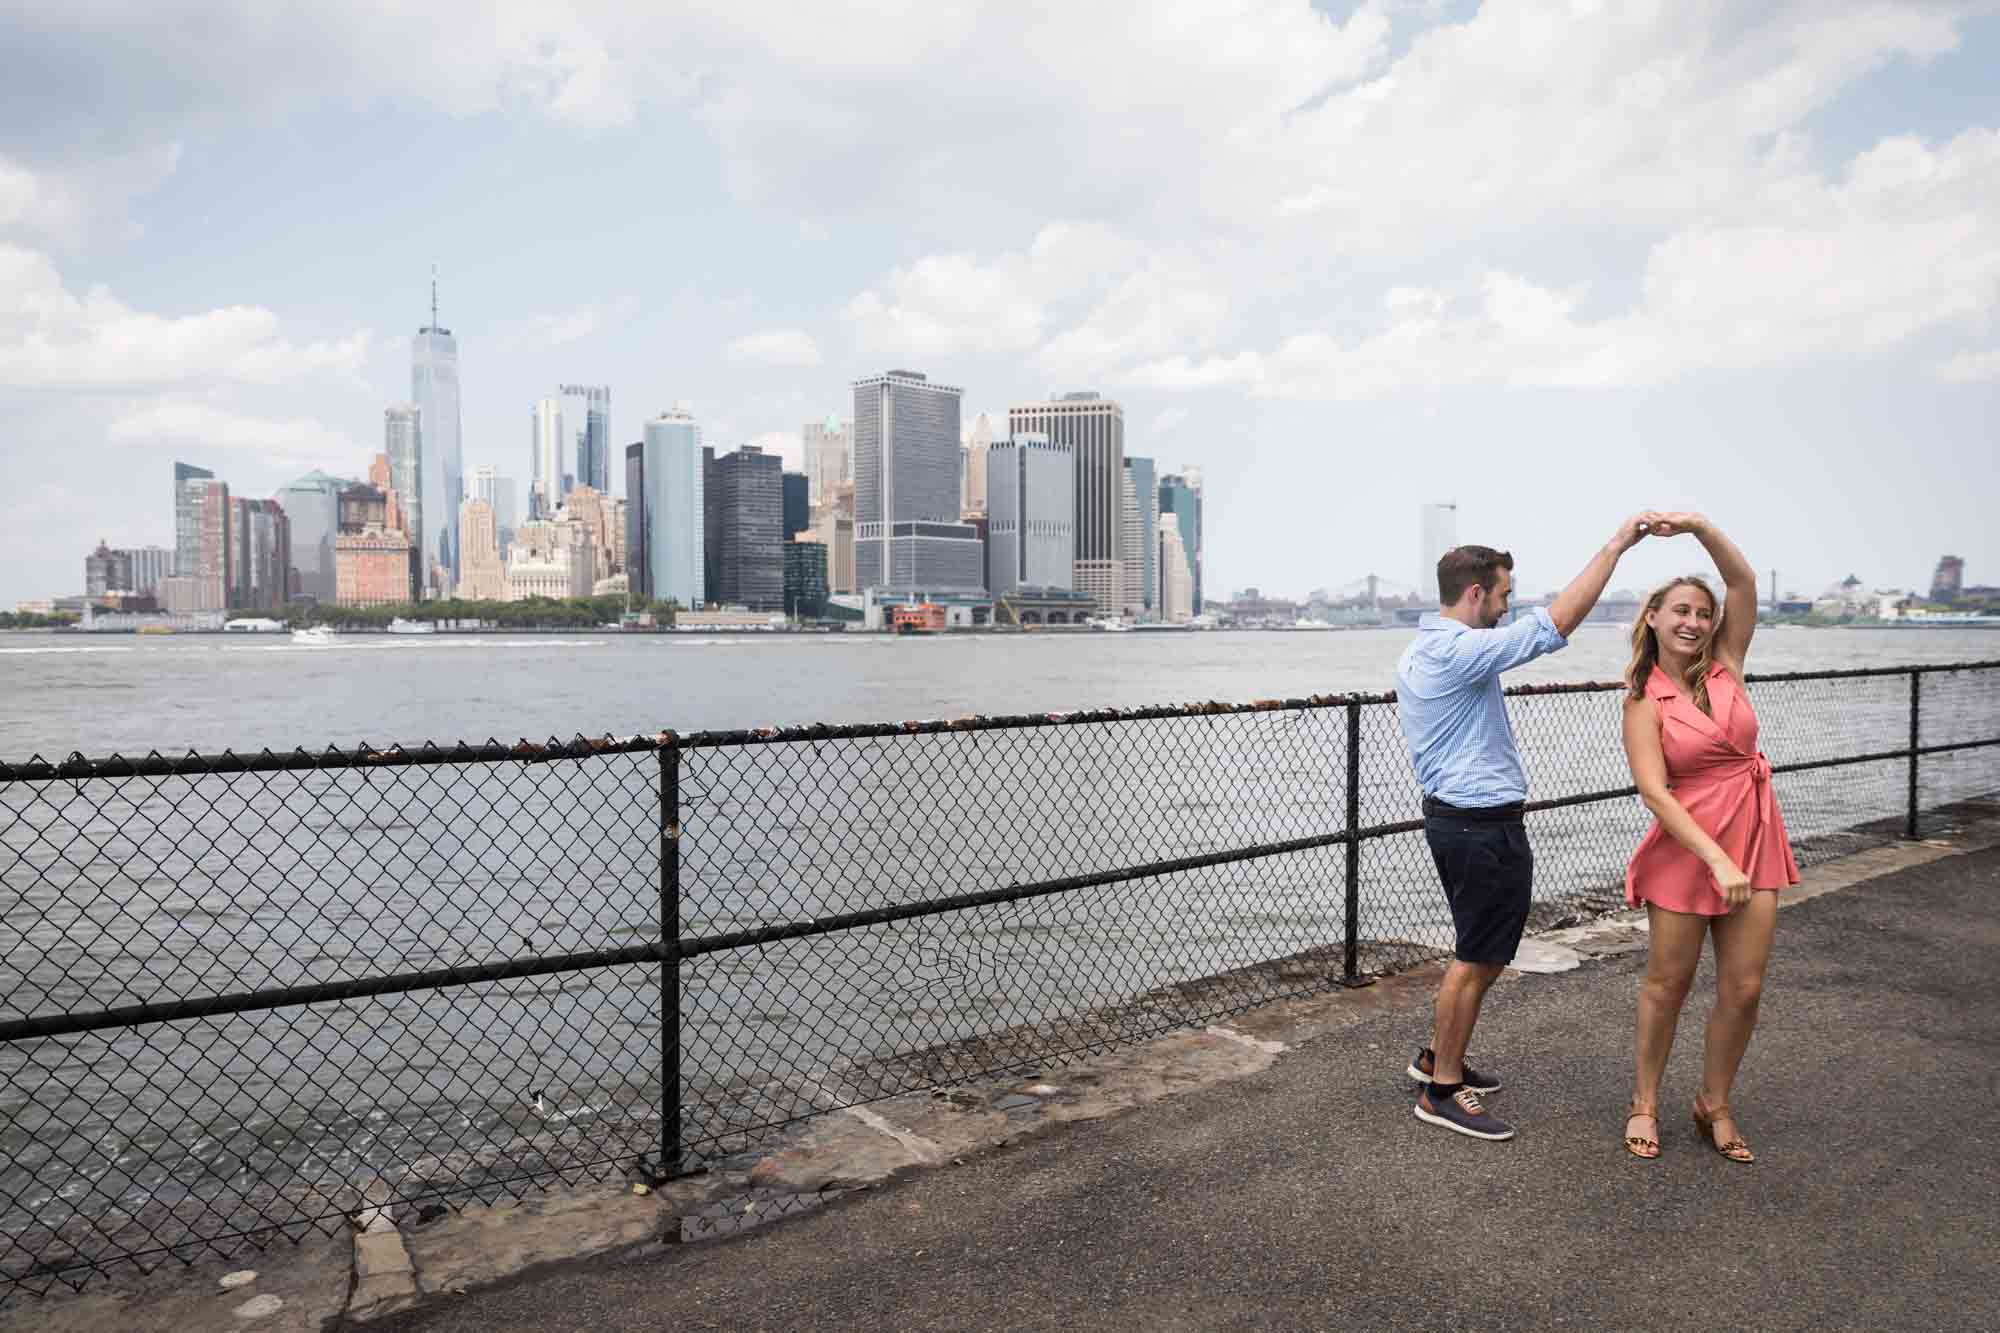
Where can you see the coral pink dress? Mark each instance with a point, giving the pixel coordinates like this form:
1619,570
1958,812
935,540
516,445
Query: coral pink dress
1715,770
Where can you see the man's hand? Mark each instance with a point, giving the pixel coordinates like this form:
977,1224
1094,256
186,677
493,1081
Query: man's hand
1634,530
1675,523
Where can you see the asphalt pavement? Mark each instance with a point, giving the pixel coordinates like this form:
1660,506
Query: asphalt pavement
1308,1197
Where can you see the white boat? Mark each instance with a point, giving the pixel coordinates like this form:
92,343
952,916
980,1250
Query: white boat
402,626
318,634
1111,623
1155,626
254,625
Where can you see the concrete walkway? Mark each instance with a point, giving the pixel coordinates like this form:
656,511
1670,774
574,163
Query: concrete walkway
1303,1195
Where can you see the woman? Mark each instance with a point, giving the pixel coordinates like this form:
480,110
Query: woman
1717,853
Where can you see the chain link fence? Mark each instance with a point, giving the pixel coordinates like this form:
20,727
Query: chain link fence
243,998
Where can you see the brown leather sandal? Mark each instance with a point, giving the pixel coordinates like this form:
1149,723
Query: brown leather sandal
1705,1118
1646,1149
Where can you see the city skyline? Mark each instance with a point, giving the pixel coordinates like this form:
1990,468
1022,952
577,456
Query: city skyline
1777,258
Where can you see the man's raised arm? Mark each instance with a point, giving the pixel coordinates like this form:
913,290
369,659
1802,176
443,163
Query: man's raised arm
1573,603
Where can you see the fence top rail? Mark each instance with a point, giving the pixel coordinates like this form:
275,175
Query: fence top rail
193,764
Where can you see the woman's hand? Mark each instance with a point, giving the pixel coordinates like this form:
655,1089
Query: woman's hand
1733,883
1674,524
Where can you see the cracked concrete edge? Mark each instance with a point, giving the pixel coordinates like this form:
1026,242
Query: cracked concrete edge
860,1147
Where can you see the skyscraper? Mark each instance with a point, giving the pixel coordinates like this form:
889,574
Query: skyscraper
201,541
497,490
907,533
593,446
596,512
1439,523
485,577
151,566
1031,517
798,509
673,508
434,388
545,485
749,504
260,555
972,489
1947,580
1144,582
402,442
374,563
805,578
312,504
829,457
638,565
1094,428
1180,495
1176,603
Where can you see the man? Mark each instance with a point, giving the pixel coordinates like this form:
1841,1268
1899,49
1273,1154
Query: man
1455,722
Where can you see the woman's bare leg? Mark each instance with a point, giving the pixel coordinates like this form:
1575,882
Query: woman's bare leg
1742,949
1671,958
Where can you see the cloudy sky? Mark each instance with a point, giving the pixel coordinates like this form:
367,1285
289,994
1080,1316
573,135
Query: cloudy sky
1551,261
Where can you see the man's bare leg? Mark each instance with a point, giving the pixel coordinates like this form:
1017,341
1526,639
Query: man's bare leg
1459,996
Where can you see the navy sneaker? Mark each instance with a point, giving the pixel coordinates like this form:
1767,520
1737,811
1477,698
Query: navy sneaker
1425,1065
1461,1113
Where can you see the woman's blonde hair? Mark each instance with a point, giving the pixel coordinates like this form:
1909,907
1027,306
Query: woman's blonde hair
1646,644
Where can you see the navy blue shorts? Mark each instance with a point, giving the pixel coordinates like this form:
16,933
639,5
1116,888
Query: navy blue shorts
1488,871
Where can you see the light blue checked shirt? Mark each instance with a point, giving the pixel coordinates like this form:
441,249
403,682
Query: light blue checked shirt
1454,718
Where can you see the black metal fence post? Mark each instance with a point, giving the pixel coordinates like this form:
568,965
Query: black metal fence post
1916,690
1351,968
670,955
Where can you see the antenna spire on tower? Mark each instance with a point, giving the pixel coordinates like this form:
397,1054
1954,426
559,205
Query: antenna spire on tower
434,295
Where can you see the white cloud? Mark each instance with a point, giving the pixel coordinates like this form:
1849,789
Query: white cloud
1166,420
1527,113
1172,302
27,200
51,338
191,427
945,304
62,204
1970,368
778,347
1907,243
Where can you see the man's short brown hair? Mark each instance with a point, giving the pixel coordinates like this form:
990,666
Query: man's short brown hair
1462,566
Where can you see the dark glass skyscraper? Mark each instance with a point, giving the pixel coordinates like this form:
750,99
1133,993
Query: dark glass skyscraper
638,566
402,444
749,507
798,505
593,443
312,506
1146,496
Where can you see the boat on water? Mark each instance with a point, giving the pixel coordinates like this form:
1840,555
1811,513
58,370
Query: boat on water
402,626
1111,624
254,625
317,634
1156,626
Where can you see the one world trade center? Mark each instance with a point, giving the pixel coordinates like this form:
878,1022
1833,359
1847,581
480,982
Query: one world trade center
434,389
